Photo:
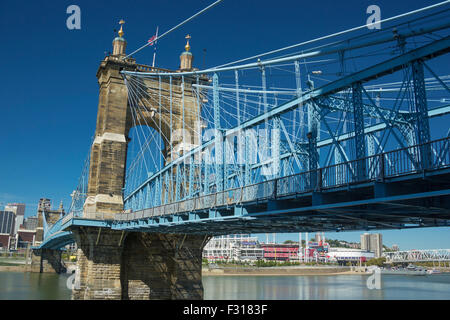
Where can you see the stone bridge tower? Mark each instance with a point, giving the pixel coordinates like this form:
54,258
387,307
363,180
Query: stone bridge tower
114,264
114,121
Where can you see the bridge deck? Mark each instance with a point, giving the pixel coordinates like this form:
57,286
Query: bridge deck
395,197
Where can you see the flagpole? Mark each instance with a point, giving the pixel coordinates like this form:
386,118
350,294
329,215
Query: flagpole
156,42
176,27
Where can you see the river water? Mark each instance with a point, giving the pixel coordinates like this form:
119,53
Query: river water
17,285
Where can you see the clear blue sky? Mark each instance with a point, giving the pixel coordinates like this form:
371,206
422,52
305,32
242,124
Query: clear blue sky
49,91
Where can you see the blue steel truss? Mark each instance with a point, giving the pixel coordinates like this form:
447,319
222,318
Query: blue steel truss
319,98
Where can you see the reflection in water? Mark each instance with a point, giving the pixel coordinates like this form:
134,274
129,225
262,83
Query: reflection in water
325,287
34,286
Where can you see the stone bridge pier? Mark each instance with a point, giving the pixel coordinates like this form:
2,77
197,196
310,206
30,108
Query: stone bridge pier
138,266
114,264
47,261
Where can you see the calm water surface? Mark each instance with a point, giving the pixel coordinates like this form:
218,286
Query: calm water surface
326,287
17,285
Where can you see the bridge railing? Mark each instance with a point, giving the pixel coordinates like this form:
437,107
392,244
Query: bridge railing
377,167
409,160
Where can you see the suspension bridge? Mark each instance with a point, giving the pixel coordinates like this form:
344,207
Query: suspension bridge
349,134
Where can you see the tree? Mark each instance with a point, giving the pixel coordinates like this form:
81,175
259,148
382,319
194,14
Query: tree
376,261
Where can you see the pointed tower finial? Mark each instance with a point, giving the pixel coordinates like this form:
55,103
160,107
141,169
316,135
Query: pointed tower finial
186,57
119,43
121,33
187,46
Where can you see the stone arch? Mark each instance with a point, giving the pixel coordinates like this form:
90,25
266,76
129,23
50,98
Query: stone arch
115,119
162,266
168,110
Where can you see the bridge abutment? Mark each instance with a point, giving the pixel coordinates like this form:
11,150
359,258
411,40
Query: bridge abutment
113,265
98,264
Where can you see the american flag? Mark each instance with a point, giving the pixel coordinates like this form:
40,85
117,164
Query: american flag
151,40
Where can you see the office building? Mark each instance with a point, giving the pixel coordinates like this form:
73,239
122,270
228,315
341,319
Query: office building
7,223
19,210
373,243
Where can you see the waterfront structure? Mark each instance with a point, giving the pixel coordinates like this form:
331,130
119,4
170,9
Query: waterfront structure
347,255
372,242
244,248
233,248
280,252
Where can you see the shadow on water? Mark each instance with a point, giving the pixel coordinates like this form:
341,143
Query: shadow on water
33,286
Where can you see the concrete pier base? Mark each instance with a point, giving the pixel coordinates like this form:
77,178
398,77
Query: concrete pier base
98,264
162,266
138,266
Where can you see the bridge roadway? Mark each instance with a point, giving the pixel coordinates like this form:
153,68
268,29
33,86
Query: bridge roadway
393,194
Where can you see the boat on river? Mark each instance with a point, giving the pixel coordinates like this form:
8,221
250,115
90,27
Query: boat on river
434,271
410,270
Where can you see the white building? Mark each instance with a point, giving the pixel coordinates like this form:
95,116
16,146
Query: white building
233,248
349,255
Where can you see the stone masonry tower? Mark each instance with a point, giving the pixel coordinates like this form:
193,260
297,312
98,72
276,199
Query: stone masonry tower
117,264
109,150
108,153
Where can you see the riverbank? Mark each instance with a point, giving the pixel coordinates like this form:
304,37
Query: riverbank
243,271
277,271
252,271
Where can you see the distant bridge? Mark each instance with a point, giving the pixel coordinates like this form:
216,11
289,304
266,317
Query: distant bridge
431,255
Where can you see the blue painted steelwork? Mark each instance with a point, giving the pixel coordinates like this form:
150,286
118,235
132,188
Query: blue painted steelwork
316,95
358,118
421,109
308,210
218,139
